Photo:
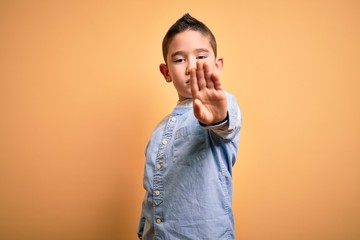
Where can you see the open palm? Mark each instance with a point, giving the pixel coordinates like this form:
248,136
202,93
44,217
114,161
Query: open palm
210,104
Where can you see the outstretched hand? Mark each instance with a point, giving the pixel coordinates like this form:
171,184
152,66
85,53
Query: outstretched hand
209,98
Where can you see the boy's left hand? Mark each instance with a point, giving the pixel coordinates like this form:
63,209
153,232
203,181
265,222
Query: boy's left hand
209,98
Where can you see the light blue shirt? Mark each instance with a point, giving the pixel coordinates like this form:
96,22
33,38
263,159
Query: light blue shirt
188,177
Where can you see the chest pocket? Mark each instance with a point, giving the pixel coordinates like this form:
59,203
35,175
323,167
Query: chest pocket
190,145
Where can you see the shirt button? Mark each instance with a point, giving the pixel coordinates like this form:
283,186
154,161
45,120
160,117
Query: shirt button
173,119
157,193
158,166
158,220
164,142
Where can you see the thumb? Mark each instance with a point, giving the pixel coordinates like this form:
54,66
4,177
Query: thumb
197,106
199,110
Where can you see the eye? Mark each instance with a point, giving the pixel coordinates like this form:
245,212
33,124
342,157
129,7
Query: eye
201,57
179,60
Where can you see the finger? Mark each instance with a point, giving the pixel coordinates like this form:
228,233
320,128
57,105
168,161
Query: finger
193,81
200,75
215,78
207,73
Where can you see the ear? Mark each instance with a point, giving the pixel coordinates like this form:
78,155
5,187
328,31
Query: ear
165,72
219,64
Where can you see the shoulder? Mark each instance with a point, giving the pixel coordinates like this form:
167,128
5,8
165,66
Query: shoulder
235,115
232,102
230,97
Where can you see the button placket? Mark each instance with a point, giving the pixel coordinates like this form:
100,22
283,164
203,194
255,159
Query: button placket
158,184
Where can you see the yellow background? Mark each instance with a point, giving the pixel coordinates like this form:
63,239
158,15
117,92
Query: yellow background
80,93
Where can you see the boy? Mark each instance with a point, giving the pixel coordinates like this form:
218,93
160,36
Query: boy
189,158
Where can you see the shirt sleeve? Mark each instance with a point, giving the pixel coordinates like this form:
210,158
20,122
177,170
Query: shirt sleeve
141,225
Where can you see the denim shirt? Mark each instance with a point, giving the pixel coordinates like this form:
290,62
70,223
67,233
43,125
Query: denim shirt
188,177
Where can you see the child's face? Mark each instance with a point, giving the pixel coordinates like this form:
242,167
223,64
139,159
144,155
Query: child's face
184,51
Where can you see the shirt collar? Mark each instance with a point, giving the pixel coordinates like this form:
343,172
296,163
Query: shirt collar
187,103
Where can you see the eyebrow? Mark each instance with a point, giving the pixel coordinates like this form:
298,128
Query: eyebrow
183,53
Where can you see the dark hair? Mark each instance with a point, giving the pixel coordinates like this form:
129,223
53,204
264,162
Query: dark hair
186,22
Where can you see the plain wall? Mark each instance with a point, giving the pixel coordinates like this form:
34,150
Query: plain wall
80,92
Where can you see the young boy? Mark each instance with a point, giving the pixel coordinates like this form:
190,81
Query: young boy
189,158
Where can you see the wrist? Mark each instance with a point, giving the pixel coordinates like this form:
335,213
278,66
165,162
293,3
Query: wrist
216,123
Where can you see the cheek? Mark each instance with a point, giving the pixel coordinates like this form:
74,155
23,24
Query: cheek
177,71
210,61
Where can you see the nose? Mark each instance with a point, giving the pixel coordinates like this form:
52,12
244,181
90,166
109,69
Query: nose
191,64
